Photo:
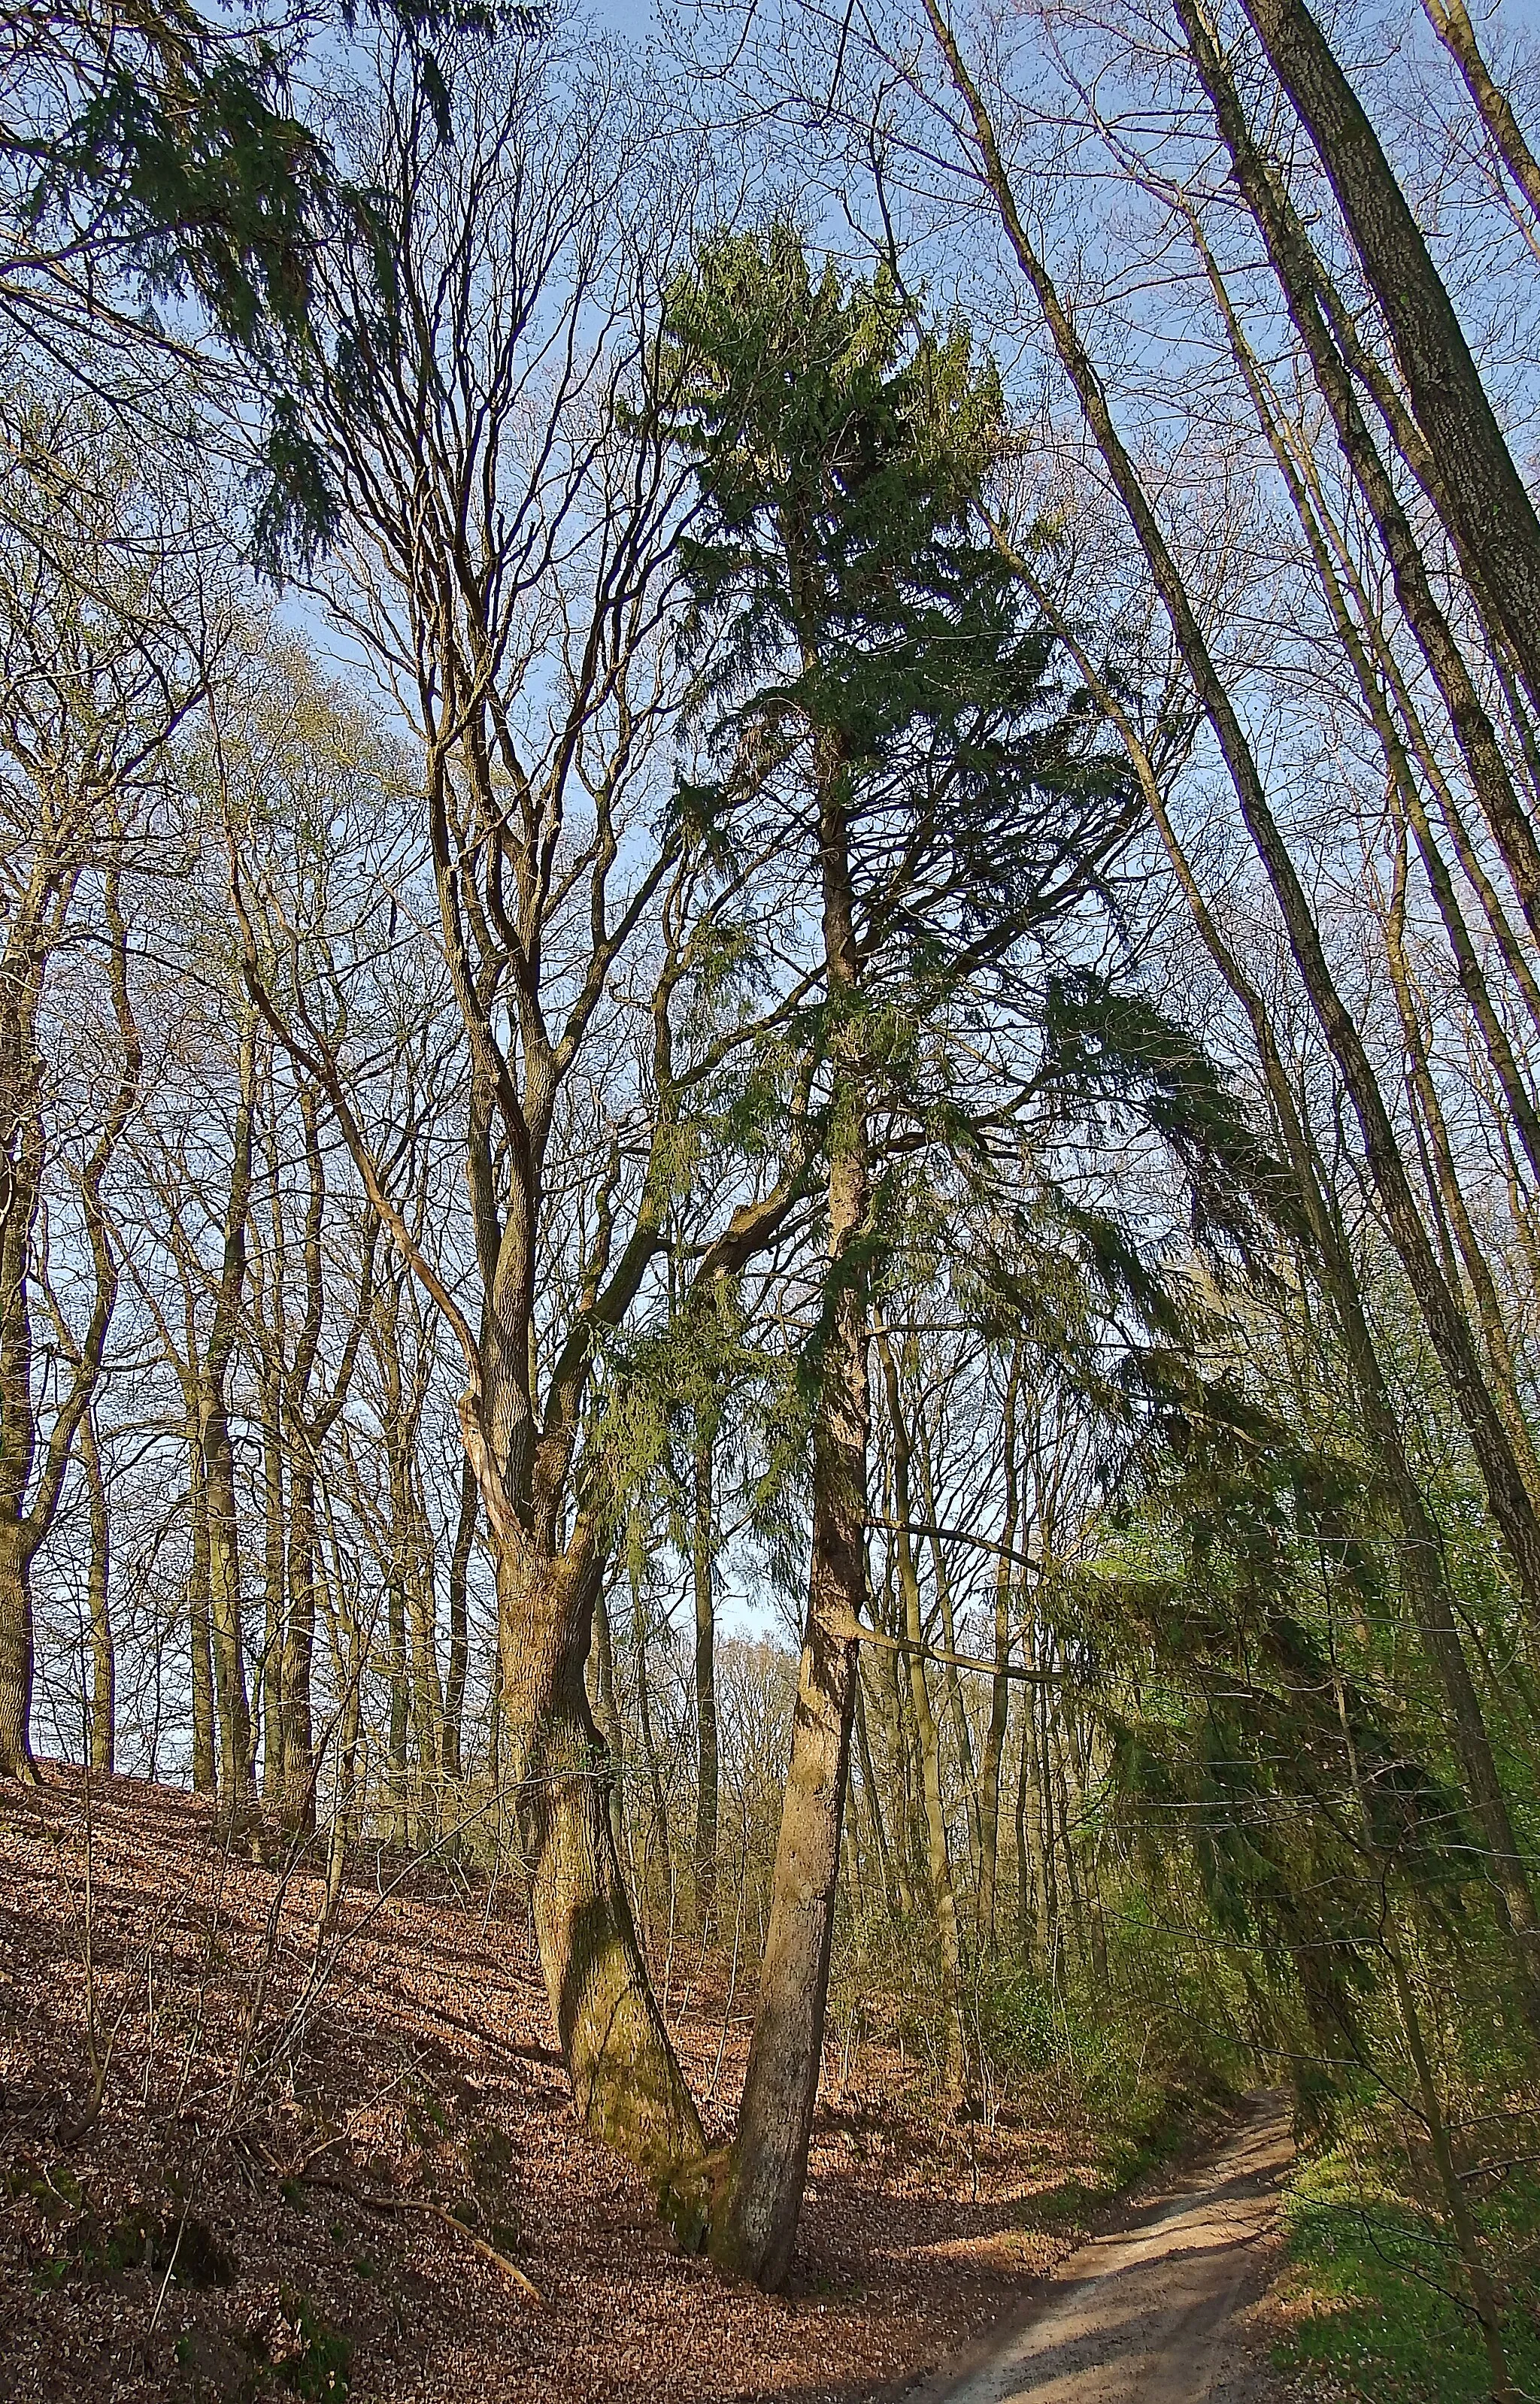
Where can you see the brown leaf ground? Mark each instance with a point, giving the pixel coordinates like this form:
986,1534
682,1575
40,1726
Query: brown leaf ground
203,2235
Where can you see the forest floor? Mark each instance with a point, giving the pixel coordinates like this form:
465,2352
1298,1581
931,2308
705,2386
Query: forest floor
254,2206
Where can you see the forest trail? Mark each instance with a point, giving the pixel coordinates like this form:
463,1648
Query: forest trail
1141,2315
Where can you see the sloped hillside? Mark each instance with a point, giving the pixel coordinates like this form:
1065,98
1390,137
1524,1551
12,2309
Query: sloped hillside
238,2164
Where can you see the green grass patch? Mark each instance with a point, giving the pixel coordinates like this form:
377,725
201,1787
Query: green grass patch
1381,2287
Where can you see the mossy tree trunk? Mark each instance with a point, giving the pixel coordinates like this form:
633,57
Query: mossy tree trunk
627,2082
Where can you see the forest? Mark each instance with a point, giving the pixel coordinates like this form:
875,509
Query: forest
770,1130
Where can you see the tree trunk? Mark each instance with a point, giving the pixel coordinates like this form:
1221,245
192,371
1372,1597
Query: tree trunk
297,1736
703,1566
16,1656
874,1800
1000,1686
659,1837
625,2080
204,1774
951,1682
104,1695
460,1622
344,1805
1451,23
426,1690
943,1893
607,1716
1481,496
1028,1920
1048,1840
217,1457
273,1549
755,2213
225,1613
1440,1309
397,1773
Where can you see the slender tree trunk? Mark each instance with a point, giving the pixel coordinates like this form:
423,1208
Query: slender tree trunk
1000,1686
1047,1833
225,1610
1481,495
886,1697
1028,1920
1440,1309
426,1690
1452,22
756,2209
397,1773
217,1457
951,1682
874,1799
703,1566
273,1550
459,1622
344,1805
199,1635
943,1893
660,1835
104,1695
297,1733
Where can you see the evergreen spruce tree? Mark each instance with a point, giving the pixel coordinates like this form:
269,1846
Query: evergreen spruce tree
871,680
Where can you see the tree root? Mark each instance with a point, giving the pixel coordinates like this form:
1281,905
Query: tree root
489,2253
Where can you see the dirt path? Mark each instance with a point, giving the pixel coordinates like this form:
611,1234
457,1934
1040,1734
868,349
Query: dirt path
1143,2316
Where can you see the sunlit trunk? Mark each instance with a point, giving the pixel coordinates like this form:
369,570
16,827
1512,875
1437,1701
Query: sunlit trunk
226,1630
703,1571
625,2080
755,2213
297,1737
16,1656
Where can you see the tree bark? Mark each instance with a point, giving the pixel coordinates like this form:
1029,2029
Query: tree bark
274,1615
217,1454
204,1772
943,1893
1440,1309
1000,1686
626,2081
16,1656
1482,497
1298,271
756,2209
297,1734
459,1624
104,1695
708,1773
1451,21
